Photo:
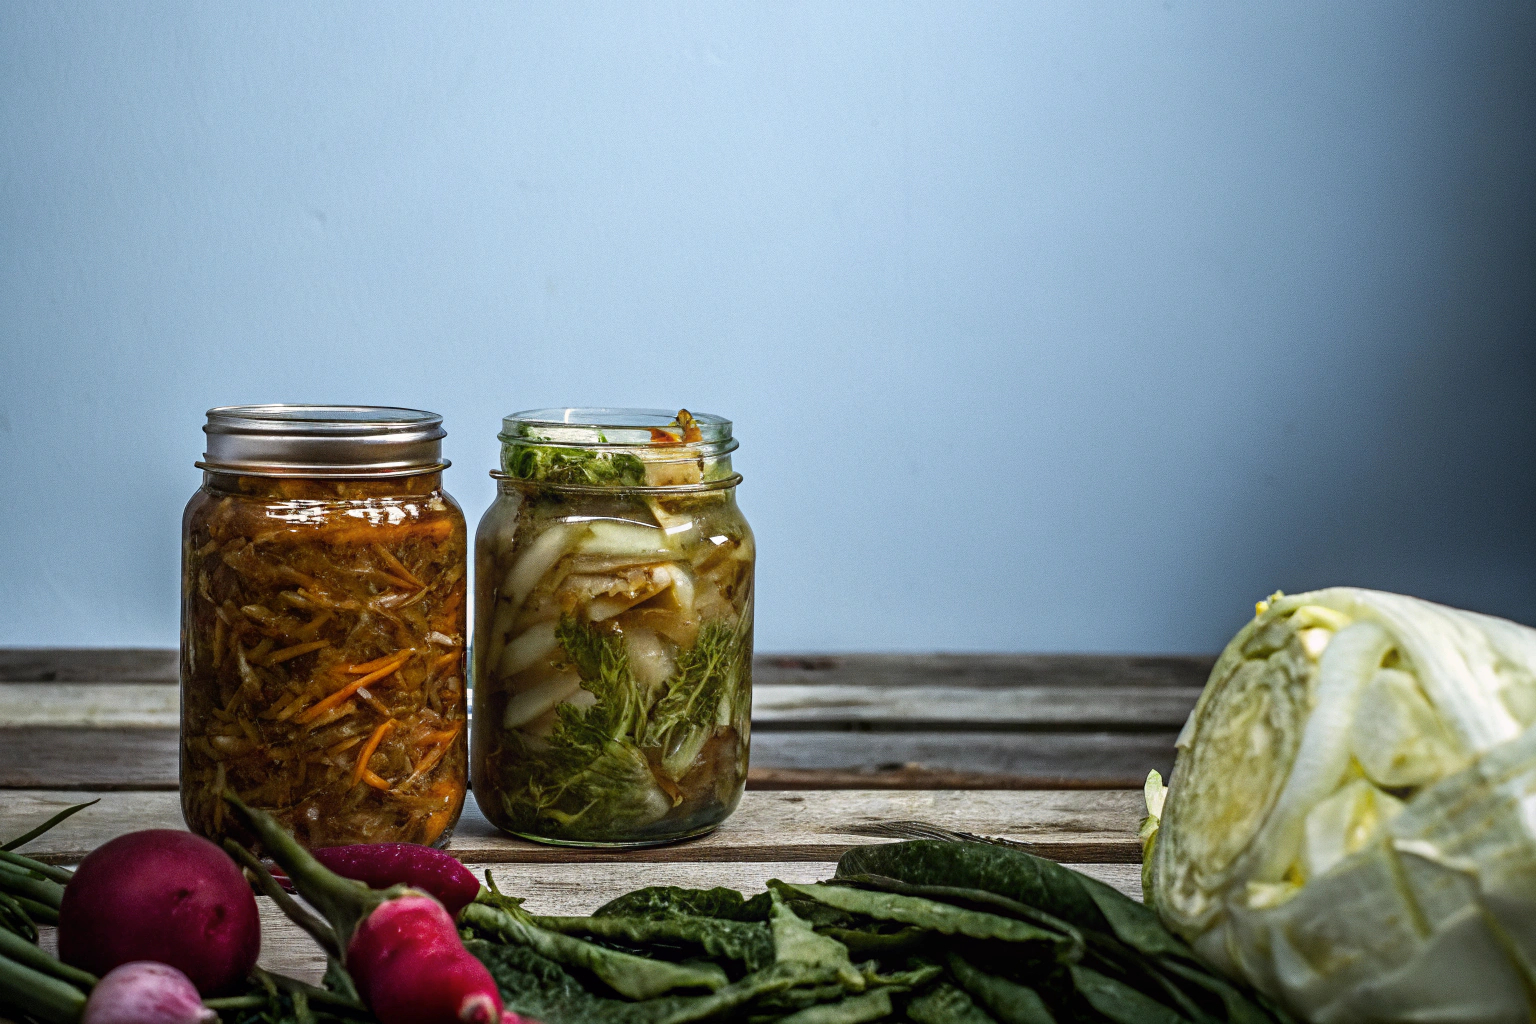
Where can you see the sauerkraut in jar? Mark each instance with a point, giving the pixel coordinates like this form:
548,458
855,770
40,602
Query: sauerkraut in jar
613,617
323,627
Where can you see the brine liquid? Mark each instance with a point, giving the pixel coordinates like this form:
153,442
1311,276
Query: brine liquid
613,662
322,666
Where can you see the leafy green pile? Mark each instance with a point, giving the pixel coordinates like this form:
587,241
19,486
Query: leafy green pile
921,932
622,763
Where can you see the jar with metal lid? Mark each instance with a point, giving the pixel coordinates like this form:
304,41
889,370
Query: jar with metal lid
613,629
323,626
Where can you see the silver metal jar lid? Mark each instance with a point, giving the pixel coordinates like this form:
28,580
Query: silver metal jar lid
323,441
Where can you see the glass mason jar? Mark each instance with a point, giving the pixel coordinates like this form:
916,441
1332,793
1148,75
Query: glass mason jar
323,626
612,661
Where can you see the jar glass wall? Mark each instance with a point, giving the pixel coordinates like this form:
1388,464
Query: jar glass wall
613,617
323,641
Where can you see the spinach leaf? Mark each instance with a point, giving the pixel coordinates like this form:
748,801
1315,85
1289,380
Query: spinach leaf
947,1004
536,986
796,942
1009,1002
857,1009
929,914
749,943
664,900
1120,1002
1024,878
637,977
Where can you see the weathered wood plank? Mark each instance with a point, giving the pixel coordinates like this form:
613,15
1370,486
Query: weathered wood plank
973,670
102,759
579,889
1087,826
88,664
147,759
774,706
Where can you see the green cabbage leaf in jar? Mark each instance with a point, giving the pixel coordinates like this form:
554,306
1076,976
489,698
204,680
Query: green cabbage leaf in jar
614,633
1351,824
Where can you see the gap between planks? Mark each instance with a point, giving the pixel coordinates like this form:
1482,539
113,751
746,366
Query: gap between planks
1081,826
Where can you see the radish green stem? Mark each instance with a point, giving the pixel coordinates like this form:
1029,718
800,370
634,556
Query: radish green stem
236,1003
28,955
14,919
42,913
60,875
318,929
315,995
27,837
46,998
20,882
344,903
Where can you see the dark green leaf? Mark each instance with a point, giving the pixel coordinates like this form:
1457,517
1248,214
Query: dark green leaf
664,900
1009,1002
1120,1002
857,1009
748,943
944,918
946,1004
636,977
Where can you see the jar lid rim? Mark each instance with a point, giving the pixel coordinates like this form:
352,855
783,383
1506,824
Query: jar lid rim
323,440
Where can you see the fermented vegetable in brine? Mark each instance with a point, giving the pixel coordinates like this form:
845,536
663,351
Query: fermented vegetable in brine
614,644
323,657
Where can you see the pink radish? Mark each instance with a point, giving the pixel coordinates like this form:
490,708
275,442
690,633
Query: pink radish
145,992
381,865
402,949
166,896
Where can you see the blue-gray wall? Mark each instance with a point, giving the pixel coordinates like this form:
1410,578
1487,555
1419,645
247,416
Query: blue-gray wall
1046,326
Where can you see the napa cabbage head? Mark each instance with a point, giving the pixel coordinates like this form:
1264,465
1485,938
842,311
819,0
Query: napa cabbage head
1351,822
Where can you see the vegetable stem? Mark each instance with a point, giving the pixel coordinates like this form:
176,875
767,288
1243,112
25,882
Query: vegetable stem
28,955
44,997
58,874
27,837
342,902
20,882
318,929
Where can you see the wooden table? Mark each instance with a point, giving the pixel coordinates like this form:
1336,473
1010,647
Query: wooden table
1047,750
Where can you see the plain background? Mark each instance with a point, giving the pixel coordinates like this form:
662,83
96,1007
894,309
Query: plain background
1045,326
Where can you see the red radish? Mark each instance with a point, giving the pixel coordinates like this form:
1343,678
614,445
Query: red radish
145,992
401,947
408,958
166,896
381,865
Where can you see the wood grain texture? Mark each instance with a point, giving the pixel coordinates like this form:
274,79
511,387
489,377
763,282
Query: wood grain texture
84,758
978,670
775,707
1081,826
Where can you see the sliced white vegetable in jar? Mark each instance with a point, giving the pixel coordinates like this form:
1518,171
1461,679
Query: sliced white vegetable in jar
653,581
649,659
672,523
528,648
611,537
539,699
539,558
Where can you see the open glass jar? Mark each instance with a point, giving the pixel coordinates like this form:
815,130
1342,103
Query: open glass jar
613,629
323,626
